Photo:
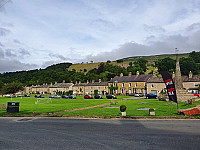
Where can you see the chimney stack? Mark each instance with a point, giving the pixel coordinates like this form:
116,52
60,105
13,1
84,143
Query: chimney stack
130,74
99,80
173,75
190,75
87,81
63,81
79,82
121,74
137,73
92,81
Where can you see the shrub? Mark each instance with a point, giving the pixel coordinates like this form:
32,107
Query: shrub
122,108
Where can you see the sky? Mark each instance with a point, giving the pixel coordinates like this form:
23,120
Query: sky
38,33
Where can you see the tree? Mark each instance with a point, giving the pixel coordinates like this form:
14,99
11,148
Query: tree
167,64
130,64
12,88
142,63
187,65
112,88
100,68
195,56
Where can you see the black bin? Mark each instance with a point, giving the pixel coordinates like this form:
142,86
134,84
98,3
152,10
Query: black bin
13,107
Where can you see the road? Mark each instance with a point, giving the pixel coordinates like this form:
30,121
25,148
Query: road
62,133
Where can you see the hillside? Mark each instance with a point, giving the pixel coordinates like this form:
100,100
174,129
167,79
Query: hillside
85,67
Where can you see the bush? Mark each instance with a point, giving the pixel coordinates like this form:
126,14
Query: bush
122,108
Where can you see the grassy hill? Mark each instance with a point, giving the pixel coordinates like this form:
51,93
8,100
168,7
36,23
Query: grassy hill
85,67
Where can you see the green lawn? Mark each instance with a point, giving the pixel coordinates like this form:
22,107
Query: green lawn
161,109
28,106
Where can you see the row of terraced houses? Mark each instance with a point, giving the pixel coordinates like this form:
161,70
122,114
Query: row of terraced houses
126,85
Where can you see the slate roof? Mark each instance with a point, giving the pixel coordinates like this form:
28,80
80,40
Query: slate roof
42,86
61,85
195,78
81,84
133,78
98,84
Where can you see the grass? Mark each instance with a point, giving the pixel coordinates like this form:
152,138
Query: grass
161,109
28,106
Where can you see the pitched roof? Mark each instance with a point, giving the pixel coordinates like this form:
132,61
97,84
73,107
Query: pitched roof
61,85
80,84
195,78
133,78
98,84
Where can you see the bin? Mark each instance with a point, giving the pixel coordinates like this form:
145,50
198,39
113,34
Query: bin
13,107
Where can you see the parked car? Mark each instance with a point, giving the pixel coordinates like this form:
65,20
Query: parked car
26,95
64,96
51,96
150,96
57,96
198,95
138,95
19,95
37,96
98,97
110,96
72,97
8,95
41,96
88,97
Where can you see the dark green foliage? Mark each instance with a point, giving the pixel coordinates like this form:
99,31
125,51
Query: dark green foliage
100,68
12,88
95,92
131,64
142,63
187,65
195,56
122,108
120,61
112,88
167,64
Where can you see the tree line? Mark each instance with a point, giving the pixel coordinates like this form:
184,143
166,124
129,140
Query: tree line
105,71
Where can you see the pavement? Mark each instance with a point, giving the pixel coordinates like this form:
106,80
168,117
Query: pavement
62,133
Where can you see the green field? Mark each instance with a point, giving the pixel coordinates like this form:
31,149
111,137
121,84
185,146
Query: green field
28,106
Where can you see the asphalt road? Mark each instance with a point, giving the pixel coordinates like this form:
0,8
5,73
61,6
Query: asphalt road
60,133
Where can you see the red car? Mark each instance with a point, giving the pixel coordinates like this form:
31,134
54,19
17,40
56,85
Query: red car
198,95
88,97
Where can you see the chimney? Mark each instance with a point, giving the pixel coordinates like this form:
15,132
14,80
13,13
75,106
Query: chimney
76,82
99,80
55,82
92,81
87,81
63,81
130,74
190,75
137,73
51,83
121,74
173,75
79,82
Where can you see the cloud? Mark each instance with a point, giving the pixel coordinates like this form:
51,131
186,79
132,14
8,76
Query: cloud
4,32
15,65
16,41
165,45
10,53
1,53
57,56
24,52
1,45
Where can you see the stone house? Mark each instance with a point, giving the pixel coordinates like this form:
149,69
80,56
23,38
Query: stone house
79,88
102,87
129,84
60,87
156,84
42,89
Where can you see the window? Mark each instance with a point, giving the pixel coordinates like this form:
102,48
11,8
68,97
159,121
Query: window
129,84
122,84
152,85
135,84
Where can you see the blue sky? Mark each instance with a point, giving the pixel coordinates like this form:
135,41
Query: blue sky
39,33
